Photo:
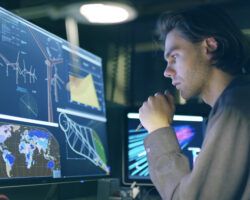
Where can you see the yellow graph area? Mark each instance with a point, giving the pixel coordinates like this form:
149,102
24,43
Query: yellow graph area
82,90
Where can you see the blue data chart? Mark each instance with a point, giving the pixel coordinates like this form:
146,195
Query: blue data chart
52,109
44,72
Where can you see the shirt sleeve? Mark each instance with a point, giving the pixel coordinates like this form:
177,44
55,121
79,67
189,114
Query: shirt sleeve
221,170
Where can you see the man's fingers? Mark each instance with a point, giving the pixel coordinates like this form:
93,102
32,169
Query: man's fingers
157,94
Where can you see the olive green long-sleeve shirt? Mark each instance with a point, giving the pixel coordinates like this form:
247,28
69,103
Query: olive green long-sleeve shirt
222,169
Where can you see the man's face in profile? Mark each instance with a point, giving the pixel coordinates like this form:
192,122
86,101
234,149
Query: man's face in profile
187,64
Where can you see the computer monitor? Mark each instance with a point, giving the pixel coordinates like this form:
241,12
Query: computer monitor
52,108
188,128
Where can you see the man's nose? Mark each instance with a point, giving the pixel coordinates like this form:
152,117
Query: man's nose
169,72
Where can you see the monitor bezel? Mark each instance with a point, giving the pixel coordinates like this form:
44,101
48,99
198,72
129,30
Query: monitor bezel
34,181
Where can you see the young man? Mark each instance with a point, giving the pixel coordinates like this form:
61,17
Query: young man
207,56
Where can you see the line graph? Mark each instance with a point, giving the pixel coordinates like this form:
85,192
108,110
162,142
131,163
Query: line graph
28,106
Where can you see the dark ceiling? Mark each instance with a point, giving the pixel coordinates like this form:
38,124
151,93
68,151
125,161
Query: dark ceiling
144,7
45,12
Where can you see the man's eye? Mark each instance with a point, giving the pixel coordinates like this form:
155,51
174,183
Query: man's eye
173,58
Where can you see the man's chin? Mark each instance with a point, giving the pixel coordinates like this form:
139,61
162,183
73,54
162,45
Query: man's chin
185,96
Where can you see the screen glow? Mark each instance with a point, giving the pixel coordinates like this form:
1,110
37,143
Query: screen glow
176,117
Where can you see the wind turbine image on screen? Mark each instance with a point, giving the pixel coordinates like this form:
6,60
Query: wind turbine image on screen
46,82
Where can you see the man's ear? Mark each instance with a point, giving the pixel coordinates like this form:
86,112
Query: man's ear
211,44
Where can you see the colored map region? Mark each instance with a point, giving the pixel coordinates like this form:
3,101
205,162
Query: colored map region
99,147
82,90
27,151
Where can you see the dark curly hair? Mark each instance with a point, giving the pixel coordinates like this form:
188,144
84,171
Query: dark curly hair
200,22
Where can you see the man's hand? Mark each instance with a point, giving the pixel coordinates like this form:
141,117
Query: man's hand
157,112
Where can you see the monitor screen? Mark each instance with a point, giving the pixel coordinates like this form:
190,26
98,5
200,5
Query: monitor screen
52,110
189,132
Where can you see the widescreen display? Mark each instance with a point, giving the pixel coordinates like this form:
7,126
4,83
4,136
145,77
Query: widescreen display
52,107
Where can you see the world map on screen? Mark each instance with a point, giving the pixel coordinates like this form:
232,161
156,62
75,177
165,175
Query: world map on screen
28,151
